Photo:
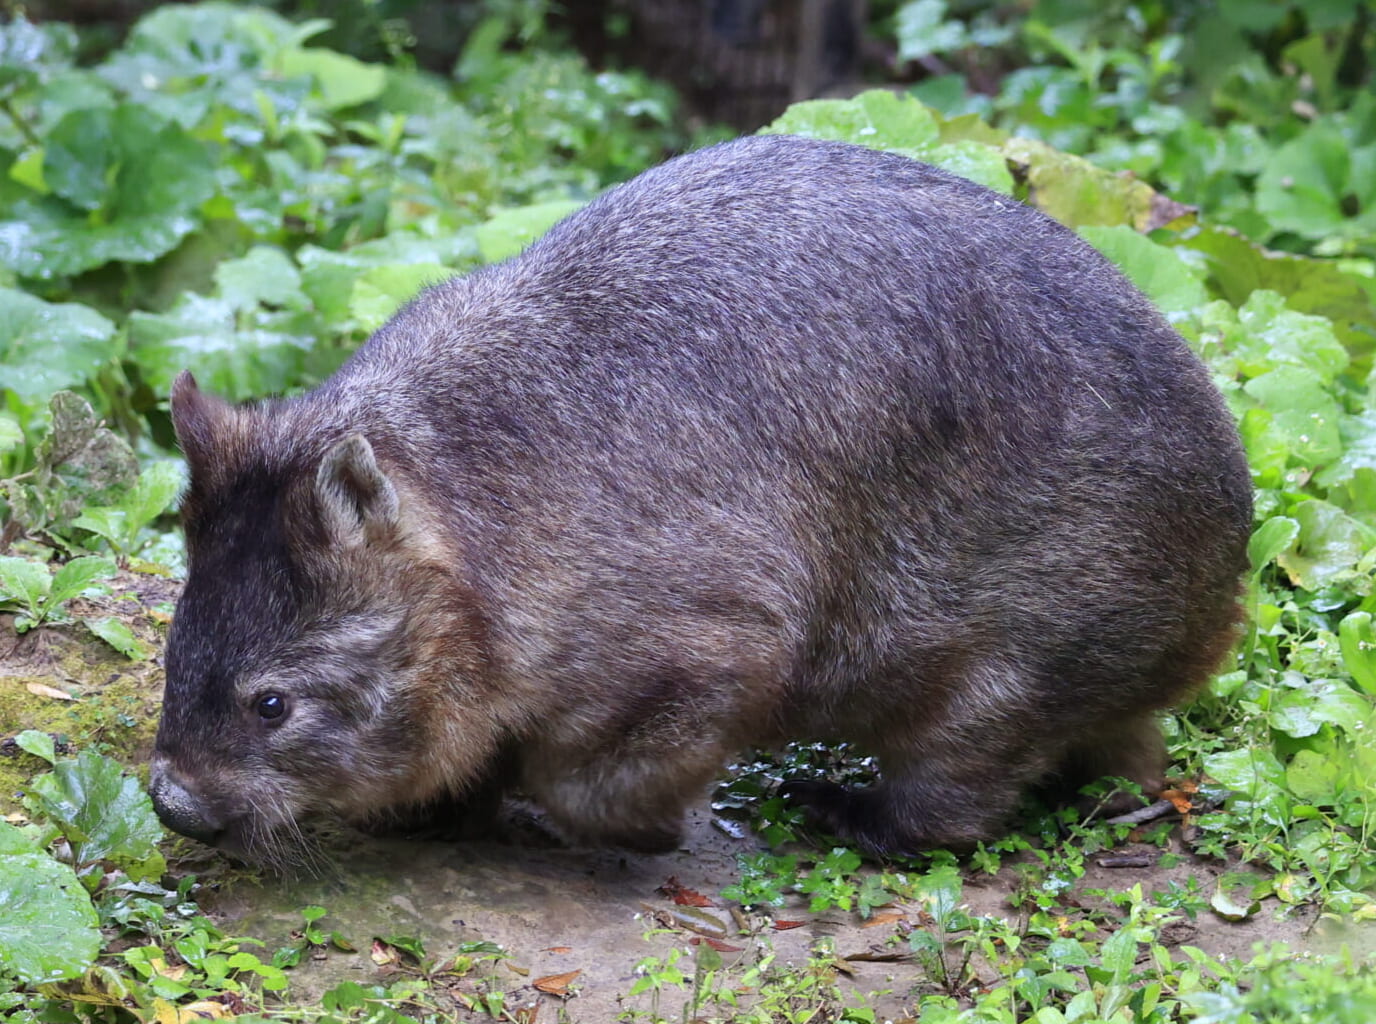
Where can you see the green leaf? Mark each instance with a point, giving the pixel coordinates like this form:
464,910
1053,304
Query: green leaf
1119,953
1239,267
1304,412
1269,540
1157,270
1077,193
878,118
378,293
510,231
923,27
48,927
1250,772
977,161
104,814
1312,184
264,276
1328,547
126,185
205,336
341,80
1312,777
46,346
25,583
119,636
39,744
1357,640
1234,897
78,574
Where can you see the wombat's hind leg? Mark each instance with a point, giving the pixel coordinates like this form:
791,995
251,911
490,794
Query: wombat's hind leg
912,810
1127,746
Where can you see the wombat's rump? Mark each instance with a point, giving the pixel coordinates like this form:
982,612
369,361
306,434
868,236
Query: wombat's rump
781,440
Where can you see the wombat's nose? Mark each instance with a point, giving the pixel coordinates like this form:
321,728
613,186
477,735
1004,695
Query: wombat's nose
179,809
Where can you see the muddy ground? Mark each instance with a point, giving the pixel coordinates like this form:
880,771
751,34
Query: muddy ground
553,910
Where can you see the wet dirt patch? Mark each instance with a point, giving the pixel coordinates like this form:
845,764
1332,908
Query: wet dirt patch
599,913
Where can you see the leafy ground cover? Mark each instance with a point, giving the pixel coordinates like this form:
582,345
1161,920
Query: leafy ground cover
294,196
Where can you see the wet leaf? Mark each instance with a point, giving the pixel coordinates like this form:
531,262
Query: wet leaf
48,927
46,346
104,814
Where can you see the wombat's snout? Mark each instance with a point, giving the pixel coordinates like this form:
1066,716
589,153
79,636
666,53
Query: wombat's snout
180,809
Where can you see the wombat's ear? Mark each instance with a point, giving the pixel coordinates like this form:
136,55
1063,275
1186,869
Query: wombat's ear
195,417
357,501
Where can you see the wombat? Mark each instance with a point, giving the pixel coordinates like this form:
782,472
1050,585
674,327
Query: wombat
782,440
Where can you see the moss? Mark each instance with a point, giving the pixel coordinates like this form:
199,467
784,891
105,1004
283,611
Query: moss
117,700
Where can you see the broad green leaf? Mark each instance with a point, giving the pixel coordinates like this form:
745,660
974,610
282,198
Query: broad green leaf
1312,777
924,27
879,119
48,927
341,80
1251,772
1358,643
265,276
510,231
39,744
78,574
119,636
1303,410
126,187
1158,271
108,521
152,494
24,582
1270,539
1328,547
980,163
204,335
1239,267
1318,185
103,813
46,346
378,293
1119,953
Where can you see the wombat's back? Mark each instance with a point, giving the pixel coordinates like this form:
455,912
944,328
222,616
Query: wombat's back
789,438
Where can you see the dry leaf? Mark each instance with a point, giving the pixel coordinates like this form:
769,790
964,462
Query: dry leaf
557,949
39,690
205,1009
383,955
880,956
682,895
783,926
887,917
555,984
1179,799
527,1014
522,971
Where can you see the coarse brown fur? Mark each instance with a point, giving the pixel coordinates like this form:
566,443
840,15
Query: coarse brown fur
781,440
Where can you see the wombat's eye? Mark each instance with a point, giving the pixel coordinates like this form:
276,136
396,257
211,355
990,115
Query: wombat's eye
271,705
